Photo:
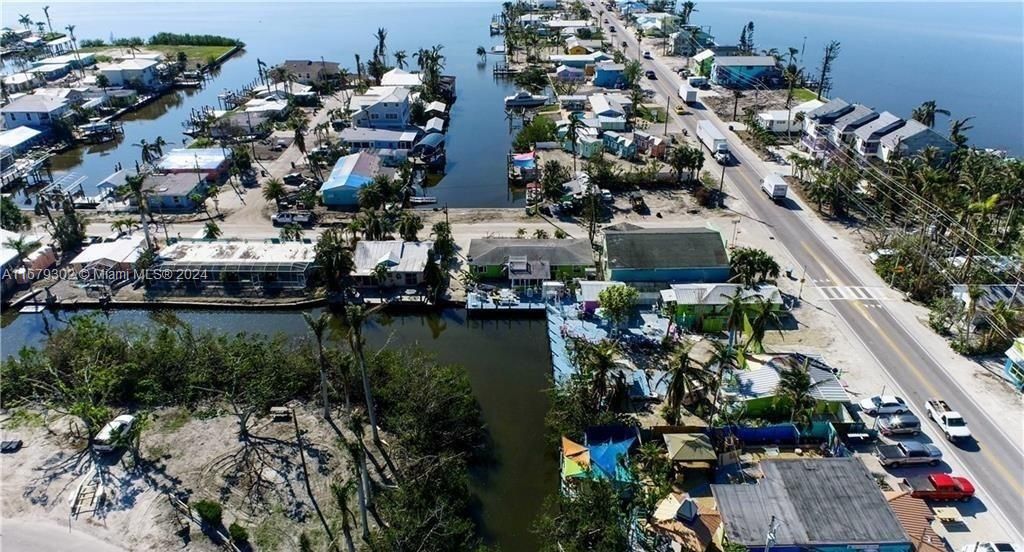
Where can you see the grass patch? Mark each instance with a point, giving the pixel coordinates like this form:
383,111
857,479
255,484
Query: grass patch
196,54
549,108
803,94
24,418
174,421
653,114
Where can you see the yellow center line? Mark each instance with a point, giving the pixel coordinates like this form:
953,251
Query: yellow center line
832,276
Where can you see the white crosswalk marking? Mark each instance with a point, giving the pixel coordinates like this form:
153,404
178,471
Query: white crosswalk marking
854,293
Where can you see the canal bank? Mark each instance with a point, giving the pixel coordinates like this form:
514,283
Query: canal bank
508,366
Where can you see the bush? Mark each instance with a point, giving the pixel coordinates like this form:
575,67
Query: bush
238,533
210,512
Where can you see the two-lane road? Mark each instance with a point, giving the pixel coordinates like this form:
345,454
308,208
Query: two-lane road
996,460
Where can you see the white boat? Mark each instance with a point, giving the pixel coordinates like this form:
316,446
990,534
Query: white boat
422,200
525,99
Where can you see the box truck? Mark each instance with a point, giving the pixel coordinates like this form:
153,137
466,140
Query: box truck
775,187
687,93
712,139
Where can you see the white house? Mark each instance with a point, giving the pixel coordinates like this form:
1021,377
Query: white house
34,111
656,23
405,262
398,77
543,4
911,139
22,82
783,120
868,137
133,73
381,107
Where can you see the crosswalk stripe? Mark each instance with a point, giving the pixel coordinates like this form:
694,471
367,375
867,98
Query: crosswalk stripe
853,293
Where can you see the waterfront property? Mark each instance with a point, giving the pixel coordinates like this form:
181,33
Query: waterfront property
405,263
78,60
22,82
634,254
381,107
212,163
398,77
34,111
818,124
309,72
137,73
743,72
115,256
349,175
361,139
52,71
229,263
529,261
757,386
868,137
831,504
578,46
174,191
19,139
579,61
656,24
841,133
782,121
689,40
911,139
564,73
704,307
686,522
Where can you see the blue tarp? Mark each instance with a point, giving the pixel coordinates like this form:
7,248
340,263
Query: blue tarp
607,461
768,435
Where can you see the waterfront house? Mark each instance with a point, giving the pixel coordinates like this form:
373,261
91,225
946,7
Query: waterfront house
19,139
689,40
52,71
683,255
608,74
360,139
117,255
588,293
829,504
564,73
656,24
74,61
704,307
542,4
405,262
576,45
310,72
398,77
137,73
618,144
22,82
579,61
38,112
434,124
381,107
757,386
1013,369
530,261
840,135
911,139
60,45
818,123
436,109
564,27
743,72
302,93
212,163
572,102
868,137
235,263
173,192
349,175
781,121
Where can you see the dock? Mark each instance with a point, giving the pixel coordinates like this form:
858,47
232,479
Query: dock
504,70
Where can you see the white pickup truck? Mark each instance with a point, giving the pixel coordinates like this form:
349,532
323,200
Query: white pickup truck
950,421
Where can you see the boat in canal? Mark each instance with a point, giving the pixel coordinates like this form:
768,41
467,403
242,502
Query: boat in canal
525,99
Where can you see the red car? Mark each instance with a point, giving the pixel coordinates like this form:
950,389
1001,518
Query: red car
939,486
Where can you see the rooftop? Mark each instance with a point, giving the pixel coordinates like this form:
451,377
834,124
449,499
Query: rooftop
665,248
200,159
764,381
355,170
377,134
17,136
859,115
910,129
232,252
398,77
124,250
172,184
717,294
32,103
885,123
400,256
832,109
916,518
736,61
568,252
820,502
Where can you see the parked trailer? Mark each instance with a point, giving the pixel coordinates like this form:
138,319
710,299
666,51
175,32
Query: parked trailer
688,93
712,139
775,187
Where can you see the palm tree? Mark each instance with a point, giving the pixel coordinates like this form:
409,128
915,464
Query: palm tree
135,46
794,389
342,496
956,132
482,53
318,326
400,57
686,10
273,190
540,234
409,225
724,357
925,113
381,50
686,378
133,186
291,232
46,12
147,151
74,44
381,273
572,133
25,20
735,313
211,231
356,316
597,360
158,146
334,257
765,316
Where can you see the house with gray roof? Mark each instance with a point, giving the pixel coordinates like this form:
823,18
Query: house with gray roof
818,124
34,111
530,259
841,133
658,255
829,504
867,138
308,71
382,107
911,139
757,387
406,262
174,192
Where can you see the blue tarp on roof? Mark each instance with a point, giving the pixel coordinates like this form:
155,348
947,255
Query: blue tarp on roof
607,461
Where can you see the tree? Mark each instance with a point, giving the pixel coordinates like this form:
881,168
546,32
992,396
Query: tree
540,234
596,361
825,71
273,190
355,316
400,57
686,10
794,390
591,518
631,73
25,20
135,189
102,81
618,302
46,13
553,177
211,231
925,113
687,380
752,266
765,316
409,225
319,326
572,134
291,232
532,79
334,258
746,43
482,53
444,242
12,218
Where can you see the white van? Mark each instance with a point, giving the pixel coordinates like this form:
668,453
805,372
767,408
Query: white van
109,438
775,187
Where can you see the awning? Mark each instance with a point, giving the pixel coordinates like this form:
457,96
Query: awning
689,447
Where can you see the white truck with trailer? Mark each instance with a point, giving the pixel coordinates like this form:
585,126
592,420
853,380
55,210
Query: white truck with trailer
688,93
712,139
775,187
950,421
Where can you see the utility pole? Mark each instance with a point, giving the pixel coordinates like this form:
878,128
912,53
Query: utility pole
668,105
721,188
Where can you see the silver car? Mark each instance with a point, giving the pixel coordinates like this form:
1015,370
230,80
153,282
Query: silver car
899,424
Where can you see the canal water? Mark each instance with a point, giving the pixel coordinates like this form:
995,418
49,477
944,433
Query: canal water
508,365
968,57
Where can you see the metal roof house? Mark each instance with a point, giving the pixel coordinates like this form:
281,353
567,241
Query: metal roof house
529,259
358,139
34,111
911,139
212,162
842,129
405,262
757,388
173,192
818,124
653,255
825,504
703,307
868,137
349,175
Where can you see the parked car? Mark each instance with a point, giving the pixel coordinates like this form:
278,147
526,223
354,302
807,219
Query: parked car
939,486
884,404
291,217
647,55
606,196
651,75
908,453
899,424
950,421
111,436
293,179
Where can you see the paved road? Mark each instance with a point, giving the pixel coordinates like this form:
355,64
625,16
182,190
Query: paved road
995,461
46,536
